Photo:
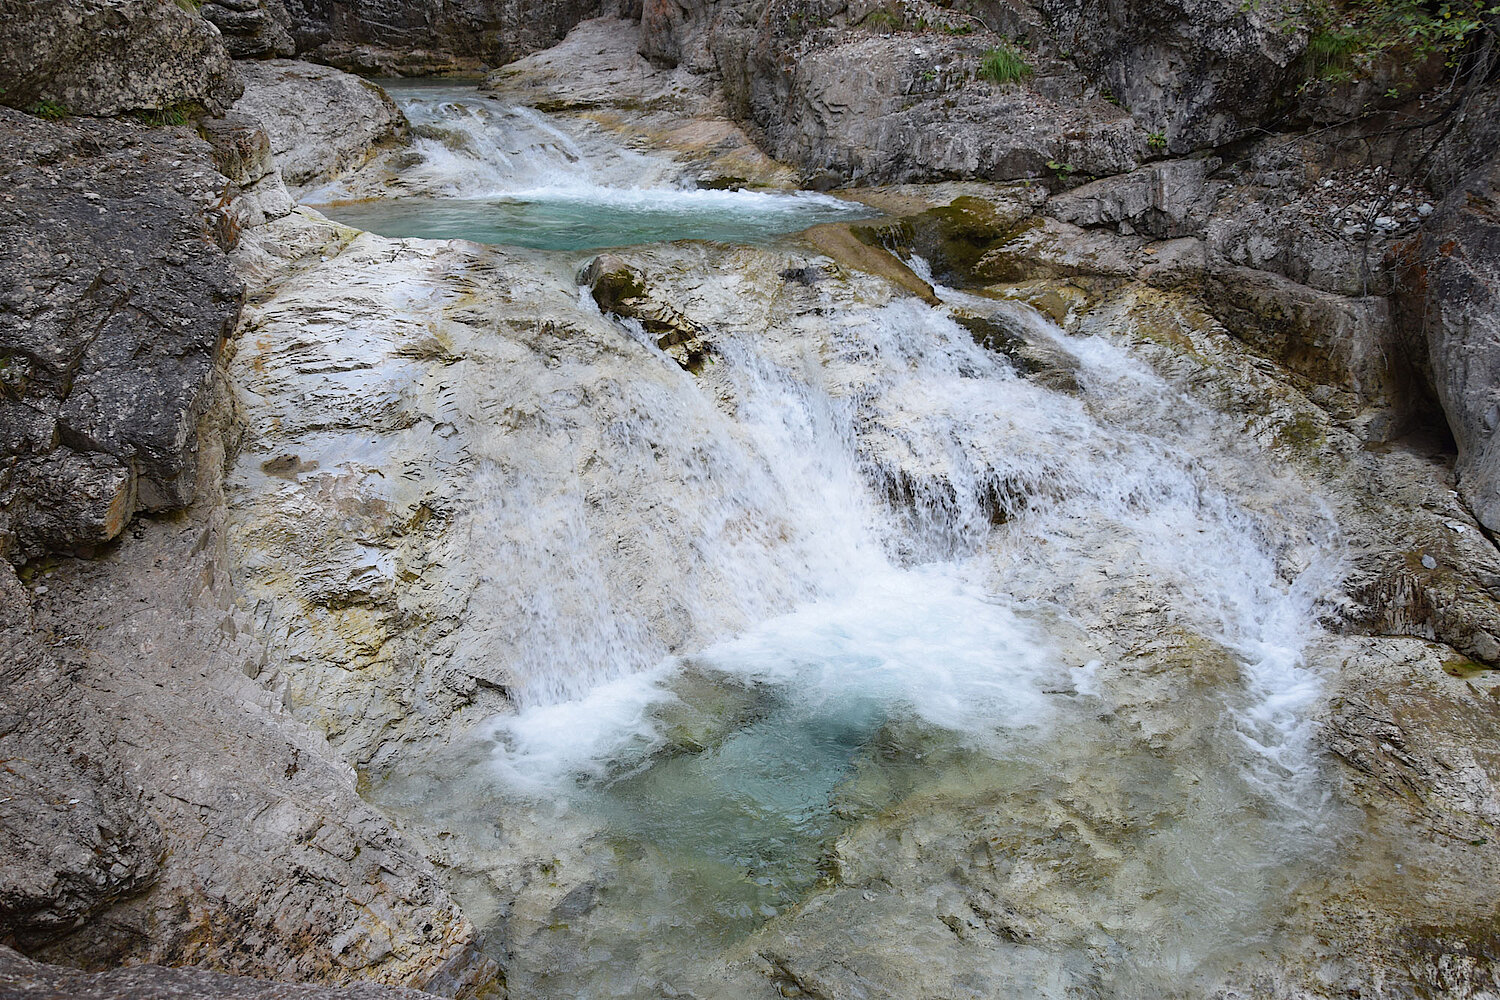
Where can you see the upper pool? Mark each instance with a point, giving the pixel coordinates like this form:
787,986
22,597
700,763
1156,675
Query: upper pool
481,169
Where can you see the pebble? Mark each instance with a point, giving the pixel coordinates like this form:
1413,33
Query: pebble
1429,562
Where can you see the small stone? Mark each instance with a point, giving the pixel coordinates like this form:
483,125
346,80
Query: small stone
1429,562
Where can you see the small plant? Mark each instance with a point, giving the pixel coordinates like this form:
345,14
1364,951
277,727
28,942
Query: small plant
1157,141
881,20
1004,64
1330,53
961,28
1062,170
929,75
49,110
160,117
921,24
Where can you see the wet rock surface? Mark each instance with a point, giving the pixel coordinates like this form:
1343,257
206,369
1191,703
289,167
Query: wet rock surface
117,298
107,57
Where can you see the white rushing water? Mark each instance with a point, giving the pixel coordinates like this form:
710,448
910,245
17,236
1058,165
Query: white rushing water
861,561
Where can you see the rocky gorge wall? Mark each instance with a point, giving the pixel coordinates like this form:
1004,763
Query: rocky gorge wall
241,843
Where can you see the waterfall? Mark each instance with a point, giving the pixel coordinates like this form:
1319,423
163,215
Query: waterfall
858,569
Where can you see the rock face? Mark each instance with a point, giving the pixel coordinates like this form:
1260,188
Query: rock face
73,837
427,36
114,302
871,95
828,91
1201,72
252,29
1454,292
107,57
239,844
322,122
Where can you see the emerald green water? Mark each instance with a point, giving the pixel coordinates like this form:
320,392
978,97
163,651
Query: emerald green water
483,170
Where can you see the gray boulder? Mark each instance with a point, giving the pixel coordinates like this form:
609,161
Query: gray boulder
114,301
107,57
322,122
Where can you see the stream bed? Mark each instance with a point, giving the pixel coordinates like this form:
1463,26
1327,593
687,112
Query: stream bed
991,686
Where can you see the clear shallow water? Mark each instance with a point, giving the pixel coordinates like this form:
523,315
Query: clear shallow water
584,220
482,170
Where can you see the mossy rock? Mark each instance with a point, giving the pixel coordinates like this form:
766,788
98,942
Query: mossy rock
952,238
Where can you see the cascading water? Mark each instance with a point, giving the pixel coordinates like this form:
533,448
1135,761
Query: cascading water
1050,635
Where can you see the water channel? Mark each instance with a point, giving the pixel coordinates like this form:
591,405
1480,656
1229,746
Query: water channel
1026,656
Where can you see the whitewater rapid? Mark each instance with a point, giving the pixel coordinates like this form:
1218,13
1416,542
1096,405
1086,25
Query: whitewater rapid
860,561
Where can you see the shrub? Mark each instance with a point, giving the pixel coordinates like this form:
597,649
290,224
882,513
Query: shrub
1341,32
1004,64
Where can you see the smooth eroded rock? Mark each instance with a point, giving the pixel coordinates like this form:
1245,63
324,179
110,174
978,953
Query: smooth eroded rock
322,122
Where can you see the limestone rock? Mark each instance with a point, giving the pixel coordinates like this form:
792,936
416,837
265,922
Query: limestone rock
1201,72
322,122
621,290
1454,291
242,153
1155,200
239,844
114,301
106,57
73,837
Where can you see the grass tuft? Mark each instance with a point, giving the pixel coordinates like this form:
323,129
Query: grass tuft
1004,64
